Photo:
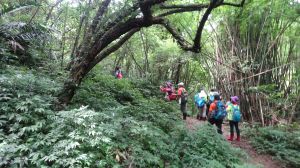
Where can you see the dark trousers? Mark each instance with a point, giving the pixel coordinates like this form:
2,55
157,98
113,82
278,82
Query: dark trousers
183,110
218,123
233,124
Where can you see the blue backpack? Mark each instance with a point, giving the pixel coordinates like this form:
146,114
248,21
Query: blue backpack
236,114
211,98
220,113
201,102
196,98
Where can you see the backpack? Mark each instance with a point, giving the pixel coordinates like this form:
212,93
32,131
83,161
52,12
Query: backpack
220,112
200,102
236,117
196,97
211,98
119,75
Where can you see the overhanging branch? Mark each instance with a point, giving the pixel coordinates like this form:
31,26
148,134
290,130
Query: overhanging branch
103,54
189,6
180,10
184,44
197,39
233,4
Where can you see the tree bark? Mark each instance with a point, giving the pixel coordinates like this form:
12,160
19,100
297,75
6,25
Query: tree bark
101,38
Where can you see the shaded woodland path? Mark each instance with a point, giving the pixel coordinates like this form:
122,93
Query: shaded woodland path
255,158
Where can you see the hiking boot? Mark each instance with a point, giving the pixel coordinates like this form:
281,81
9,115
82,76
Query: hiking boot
230,138
238,138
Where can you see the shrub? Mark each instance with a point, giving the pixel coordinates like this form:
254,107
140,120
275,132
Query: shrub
115,132
282,143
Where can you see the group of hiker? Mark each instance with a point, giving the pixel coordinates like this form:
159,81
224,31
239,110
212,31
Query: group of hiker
210,107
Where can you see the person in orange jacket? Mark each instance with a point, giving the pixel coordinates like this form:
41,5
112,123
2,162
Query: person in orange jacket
213,109
182,95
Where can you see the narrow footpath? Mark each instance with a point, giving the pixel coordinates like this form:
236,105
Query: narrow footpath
261,160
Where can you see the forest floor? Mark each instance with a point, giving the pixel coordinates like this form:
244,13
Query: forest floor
255,158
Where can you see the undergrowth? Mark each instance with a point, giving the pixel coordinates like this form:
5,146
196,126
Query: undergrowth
281,142
111,123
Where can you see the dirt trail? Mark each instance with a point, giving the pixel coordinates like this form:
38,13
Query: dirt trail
255,158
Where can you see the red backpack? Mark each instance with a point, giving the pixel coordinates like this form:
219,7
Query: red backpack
119,75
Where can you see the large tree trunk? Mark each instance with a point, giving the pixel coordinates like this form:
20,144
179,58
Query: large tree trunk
71,84
99,41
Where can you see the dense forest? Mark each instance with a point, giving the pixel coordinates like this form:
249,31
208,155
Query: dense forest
63,103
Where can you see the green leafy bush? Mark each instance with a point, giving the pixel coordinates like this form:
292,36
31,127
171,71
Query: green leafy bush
280,142
205,148
115,131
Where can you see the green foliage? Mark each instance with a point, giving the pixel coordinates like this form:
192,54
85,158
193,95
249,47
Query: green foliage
284,143
142,132
20,38
211,152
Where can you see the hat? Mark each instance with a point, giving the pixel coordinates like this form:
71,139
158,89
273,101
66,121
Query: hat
180,84
234,99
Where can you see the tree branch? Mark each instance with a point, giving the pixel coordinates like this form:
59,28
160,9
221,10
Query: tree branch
189,6
193,7
235,5
145,6
116,32
152,2
197,39
101,10
113,47
51,10
184,44
146,10
180,10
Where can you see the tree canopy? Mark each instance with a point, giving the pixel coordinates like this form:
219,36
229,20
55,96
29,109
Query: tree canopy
61,106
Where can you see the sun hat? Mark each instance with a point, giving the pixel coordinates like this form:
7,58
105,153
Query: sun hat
180,84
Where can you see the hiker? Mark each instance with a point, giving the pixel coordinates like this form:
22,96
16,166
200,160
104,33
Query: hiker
211,98
182,95
234,117
217,113
179,91
200,102
169,90
118,73
183,103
